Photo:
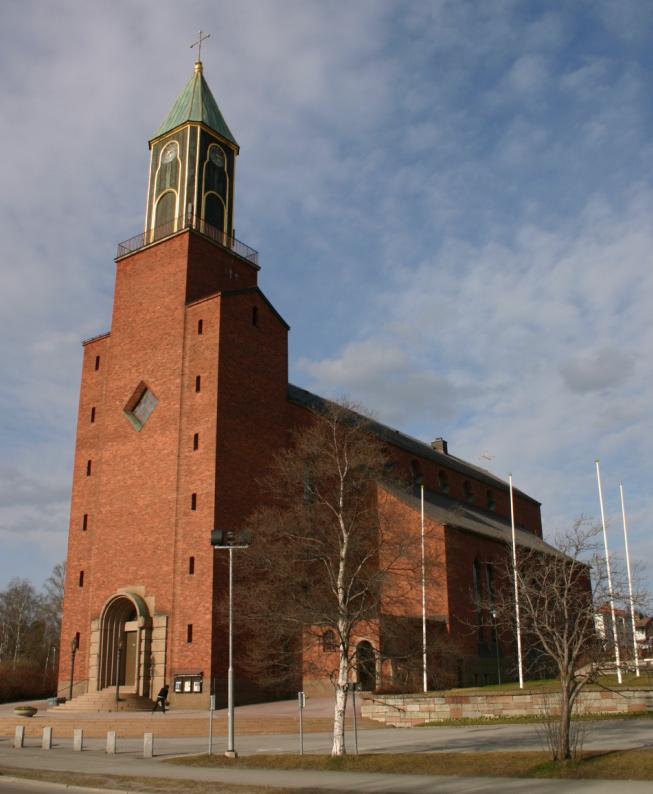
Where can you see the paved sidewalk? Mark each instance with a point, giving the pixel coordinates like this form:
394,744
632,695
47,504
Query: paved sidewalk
273,717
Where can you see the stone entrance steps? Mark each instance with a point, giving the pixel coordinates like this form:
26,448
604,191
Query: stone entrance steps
105,700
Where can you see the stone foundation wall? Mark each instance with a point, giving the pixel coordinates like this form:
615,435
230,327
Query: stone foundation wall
408,710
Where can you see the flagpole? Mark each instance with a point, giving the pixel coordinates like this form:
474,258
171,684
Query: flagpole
607,566
425,683
514,569
630,581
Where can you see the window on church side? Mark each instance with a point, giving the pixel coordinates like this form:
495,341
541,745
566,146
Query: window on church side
89,465
84,522
200,327
81,578
443,482
416,476
491,504
191,566
196,441
97,363
77,638
198,382
193,501
468,492
92,414
329,644
140,406
476,580
189,633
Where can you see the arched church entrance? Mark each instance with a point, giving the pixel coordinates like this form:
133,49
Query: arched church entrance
366,666
125,639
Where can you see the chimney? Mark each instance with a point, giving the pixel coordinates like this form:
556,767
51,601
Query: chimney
440,445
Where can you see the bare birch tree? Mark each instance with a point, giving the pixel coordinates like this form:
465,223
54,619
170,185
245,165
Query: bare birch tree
321,552
559,592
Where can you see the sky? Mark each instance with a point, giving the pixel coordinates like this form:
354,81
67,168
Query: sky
452,200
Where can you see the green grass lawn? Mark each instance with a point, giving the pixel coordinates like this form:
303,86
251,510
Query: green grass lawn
606,765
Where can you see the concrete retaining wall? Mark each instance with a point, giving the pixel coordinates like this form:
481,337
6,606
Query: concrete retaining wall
408,710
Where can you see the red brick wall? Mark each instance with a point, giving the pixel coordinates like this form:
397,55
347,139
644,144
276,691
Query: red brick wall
252,422
212,269
192,595
85,499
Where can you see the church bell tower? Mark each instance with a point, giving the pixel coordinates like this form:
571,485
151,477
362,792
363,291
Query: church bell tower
192,166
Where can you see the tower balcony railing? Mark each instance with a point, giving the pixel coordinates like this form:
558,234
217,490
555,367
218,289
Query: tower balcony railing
187,221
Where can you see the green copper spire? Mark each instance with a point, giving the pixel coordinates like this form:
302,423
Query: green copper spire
196,104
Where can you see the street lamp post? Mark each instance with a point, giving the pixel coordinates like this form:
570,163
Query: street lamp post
73,651
230,541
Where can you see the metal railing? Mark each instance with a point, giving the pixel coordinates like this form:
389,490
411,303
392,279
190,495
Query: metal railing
187,221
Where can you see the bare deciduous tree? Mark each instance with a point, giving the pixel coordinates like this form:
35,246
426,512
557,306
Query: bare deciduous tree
558,594
322,551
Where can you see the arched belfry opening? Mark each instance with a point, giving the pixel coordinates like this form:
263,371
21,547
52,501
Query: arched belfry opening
125,644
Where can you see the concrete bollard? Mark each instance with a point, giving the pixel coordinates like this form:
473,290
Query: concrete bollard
148,745
46,741
19,736
78,739
111,742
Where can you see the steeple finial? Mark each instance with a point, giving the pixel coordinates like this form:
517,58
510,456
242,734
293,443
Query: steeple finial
198,44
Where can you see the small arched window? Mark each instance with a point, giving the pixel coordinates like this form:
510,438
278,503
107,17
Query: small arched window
489,584
491,504
329,644
467,492
443,481
476,582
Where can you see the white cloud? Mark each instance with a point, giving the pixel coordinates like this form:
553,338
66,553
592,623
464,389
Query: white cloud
593,370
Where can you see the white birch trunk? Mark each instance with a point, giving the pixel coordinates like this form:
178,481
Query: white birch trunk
340,710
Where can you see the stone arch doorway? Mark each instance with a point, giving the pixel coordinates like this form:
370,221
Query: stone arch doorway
125,644
366,666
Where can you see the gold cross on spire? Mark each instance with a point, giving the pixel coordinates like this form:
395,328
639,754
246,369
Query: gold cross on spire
198,44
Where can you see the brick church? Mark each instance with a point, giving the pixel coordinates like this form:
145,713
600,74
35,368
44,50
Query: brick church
182,403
